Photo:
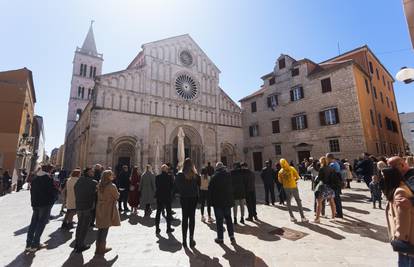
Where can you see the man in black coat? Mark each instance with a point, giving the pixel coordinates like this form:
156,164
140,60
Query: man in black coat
365,168
164,186
123,183
239,191
221,198
85,195
43,194
250,179
268,176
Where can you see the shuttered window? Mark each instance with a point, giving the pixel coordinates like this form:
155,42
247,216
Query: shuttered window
296,93
329,117
275,126
326,85
299,122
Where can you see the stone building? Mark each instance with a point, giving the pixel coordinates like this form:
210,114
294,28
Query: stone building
17,101
344,105
134,115
407,127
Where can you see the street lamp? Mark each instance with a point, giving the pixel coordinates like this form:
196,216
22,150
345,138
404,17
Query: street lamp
405,75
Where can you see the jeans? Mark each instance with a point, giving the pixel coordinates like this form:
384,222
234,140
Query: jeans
188,207
223,213
405,260
161,205
203,201
84,220
251,203
269,189
338,203
282,194
38,223
293,192
101,235
241,203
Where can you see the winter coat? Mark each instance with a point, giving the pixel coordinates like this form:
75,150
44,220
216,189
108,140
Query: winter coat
268,176
85,193
250,178
187,188
400,219
123,180
288,175
220,190
70,193
164,186
147,188
43,191
107,214
327,176
239,184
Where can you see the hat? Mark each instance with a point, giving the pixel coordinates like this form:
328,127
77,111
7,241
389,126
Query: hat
220,165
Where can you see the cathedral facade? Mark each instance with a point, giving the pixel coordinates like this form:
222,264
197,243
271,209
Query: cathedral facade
133,116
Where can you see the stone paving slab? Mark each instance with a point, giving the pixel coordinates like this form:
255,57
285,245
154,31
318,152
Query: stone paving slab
358,240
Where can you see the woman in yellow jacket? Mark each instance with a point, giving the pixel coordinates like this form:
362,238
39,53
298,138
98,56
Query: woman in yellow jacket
288,176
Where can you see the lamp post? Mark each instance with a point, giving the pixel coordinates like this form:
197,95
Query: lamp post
405,75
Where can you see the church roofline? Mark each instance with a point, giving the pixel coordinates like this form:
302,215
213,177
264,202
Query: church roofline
186,36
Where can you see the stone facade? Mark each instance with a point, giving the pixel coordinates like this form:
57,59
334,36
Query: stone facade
407,127
136,113
305,109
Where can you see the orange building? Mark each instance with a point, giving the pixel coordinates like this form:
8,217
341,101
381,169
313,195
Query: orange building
377,104
17,100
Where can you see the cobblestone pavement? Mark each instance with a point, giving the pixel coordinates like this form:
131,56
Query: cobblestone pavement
358,240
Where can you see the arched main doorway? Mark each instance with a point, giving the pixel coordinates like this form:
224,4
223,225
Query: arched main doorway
227,155
124,154
193,146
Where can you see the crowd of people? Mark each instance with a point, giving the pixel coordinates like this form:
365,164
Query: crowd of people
97,196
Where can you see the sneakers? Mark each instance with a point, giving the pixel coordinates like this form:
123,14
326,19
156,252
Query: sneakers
242,220
233,240
317,220
218,241
250,219
304,220
293,219
255,217
203,219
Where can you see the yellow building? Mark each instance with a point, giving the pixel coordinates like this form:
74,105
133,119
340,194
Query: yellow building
17,100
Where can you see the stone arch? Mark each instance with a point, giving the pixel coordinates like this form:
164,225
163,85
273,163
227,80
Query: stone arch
228,154
114,82
194,145
124,152
122,83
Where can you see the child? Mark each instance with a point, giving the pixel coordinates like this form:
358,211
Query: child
376,194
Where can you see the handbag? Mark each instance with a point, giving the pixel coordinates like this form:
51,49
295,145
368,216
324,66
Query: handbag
402,246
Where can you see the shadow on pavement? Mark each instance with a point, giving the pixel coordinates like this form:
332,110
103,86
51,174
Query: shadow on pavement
21,231
196,259
58,237
352,197
294,208
356,210
323,231
363,228
76,259
242,257
22,260
261,231
170,244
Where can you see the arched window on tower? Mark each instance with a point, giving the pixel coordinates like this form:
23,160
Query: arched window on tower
90,71
79,91
89,93
83,92
78,114
94,72
81,70
85,68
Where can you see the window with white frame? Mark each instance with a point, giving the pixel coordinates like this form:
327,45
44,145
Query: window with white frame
296,93
254,130
299,122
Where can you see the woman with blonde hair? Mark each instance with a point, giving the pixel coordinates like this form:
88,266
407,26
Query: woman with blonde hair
147,189
188,183
324,188
107,214
70,199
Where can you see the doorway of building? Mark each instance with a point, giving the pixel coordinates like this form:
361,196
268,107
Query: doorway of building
257,161
303,155
121,162
187,149
224,160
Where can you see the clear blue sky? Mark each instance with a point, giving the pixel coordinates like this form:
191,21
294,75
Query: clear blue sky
243,38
